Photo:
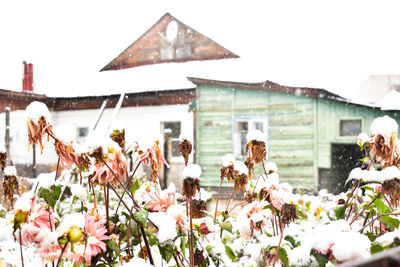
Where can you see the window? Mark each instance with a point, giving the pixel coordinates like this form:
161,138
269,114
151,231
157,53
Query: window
81,133
175,128
350,127
241,126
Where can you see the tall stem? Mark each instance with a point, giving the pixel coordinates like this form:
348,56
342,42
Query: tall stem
366,207
141,227
216,204
280,241
106,203
191,232
62,252
20,247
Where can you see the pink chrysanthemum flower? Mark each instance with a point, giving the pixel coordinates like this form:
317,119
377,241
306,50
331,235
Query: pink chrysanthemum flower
114,164
162,199
93,244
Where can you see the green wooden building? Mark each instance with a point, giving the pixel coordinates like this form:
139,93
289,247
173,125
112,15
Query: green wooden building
311,133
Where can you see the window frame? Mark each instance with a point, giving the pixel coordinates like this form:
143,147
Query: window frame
349,119
178,158
248,118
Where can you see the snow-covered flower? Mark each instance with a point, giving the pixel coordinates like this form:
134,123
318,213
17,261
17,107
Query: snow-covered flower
38,122
363,138
256,150
227,160
166,226
192,171
161,200
79,191
153,156
10,171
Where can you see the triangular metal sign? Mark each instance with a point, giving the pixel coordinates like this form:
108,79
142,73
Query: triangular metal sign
169,40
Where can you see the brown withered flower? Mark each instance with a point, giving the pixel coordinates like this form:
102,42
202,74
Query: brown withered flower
240,181
185,148
3,159
289,213
191,180
190,186
256,150
10,183
199,259
119,137
250,166
38,123
392,189
66,153
198,206
270,257
383,150
227,172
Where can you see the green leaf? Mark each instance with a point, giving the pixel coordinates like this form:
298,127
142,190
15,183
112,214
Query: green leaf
291,240
230,253
339,212
46,194
321,259
382,208
167,252
209,248
226,226
282,254
111,245
390,222
135,187
375,248
141,217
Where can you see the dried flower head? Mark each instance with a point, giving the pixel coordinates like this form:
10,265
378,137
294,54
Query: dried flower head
10,183
199,259
227,172
38,124
190,186
392,189
289,213
250,196
198,206
119,137
185,148
385,151
66,153
240,181
256,150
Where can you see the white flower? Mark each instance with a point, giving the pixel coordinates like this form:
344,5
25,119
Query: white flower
79,191
384,126
271,167
23,203
240,167
256,135
166,226
227,160
46,180
10,171
36,110
192,170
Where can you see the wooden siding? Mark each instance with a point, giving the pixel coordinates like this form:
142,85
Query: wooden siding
291,131
329,115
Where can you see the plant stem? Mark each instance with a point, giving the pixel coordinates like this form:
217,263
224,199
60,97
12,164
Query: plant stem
106,203
369,204
191,232
62,252
141,227
280,240
216,204
20,248
52,192
229,201
377,217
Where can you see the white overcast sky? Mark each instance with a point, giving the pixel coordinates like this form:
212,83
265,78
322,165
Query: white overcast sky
333,45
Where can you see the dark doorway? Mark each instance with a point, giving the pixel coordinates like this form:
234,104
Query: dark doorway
344,158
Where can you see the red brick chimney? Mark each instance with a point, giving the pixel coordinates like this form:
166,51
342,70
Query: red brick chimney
27,82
